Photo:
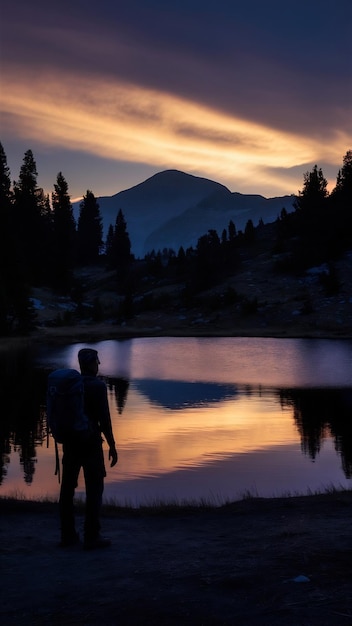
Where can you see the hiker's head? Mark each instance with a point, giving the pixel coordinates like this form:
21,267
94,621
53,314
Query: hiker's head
88,360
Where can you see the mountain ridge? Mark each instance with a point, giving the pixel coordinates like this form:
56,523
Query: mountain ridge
172,209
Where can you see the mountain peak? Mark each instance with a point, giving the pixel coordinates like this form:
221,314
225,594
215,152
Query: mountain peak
173,209
169,182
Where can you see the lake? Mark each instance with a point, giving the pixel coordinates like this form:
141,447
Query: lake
198,419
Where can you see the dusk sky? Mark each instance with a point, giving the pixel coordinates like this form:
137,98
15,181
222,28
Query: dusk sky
250,94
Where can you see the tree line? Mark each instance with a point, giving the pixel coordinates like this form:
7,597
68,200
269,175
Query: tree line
320,228
41,244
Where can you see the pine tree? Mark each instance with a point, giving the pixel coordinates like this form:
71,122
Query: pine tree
6,237
109,247
121,244
249,232
343,187
209,257
341,203
27,216
15,309
27,183
46,239
5,180
314,191
232,231
89,230
311,221
6,232
230,249
119,258
64,235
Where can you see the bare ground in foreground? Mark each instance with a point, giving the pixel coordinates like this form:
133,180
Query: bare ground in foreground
258,561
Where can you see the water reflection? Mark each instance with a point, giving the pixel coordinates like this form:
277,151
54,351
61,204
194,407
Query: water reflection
23,422
268,362
174,395
213,433
319,414
119,387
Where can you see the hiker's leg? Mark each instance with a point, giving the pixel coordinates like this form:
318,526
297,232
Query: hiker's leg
94,473
71,464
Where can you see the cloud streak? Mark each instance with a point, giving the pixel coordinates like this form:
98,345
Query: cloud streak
208,94
120,121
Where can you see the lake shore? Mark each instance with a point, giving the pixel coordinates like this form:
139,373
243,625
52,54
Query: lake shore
166,328
257,561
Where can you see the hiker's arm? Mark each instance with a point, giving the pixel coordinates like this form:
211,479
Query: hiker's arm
106,428
113,455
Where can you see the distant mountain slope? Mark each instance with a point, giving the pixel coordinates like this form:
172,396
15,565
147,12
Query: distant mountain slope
215,212
172,208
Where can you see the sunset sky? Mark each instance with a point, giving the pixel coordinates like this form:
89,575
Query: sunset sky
250,94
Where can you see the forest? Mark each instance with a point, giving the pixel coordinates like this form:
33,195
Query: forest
43,245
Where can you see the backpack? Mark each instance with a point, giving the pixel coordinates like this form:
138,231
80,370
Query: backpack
65,404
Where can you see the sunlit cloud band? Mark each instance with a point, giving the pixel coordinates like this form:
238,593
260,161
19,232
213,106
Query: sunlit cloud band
131,123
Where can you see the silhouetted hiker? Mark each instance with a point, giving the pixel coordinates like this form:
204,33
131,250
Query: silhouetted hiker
84,450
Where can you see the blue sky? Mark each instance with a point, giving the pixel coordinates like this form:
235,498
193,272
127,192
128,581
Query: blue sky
250,94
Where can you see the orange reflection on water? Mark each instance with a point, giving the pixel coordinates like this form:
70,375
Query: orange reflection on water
44,482
152,440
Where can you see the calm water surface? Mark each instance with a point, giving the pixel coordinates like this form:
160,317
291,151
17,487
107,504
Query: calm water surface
213,419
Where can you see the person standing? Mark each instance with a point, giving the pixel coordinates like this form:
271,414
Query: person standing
85,450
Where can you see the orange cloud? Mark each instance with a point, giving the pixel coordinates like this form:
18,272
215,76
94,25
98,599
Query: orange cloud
126,122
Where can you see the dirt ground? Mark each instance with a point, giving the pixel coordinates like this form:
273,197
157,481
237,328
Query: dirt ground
283,561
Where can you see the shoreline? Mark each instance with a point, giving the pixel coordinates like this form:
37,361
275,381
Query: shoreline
165,327
78,334
23,505
258,561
